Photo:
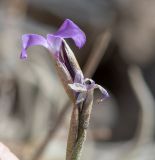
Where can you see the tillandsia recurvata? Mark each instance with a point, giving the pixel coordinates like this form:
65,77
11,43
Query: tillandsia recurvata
79,89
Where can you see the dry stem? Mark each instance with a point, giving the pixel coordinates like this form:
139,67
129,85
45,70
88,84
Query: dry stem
83,125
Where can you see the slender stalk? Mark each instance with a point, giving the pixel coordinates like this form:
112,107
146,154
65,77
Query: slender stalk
83,125
73,130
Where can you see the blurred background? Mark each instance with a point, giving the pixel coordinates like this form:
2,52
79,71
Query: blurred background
119,53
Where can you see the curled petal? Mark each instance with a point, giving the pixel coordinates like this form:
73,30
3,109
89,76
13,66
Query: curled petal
29,40
102,90
77,87
70,30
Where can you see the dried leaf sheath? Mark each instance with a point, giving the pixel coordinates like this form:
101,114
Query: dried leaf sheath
68,69
65,79
71,57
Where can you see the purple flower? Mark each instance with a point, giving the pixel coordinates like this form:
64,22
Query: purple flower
54,42
68,68
81,86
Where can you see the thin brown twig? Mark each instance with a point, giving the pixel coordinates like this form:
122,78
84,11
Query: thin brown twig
96,55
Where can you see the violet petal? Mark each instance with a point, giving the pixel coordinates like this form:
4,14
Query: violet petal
70,30
29,40
55,44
